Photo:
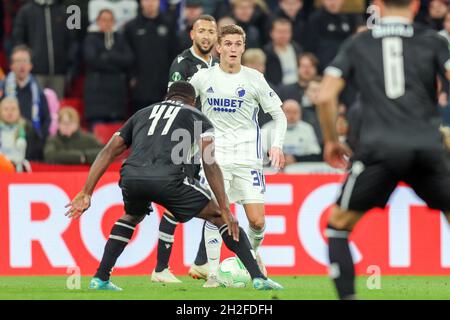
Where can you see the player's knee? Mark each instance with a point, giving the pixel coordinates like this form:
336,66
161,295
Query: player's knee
215,217
342,220
258,224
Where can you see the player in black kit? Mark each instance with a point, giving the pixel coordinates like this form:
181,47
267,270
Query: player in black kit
161,137
204,37
395,66
184,66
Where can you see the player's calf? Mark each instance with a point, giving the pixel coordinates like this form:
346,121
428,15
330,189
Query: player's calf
257,223
341,263
119,237
167,228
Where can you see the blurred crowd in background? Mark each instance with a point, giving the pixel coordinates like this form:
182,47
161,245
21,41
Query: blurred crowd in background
70,76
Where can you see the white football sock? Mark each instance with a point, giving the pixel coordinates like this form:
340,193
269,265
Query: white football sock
213,244
255,237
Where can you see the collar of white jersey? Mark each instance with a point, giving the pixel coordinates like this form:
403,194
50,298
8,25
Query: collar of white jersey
200,58
394,20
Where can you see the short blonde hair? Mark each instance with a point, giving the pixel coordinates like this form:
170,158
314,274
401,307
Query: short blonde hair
70,113
230,29
11,100
254,55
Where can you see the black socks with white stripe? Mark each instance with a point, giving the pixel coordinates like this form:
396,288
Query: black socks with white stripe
167,228
119,237
243,250
341,263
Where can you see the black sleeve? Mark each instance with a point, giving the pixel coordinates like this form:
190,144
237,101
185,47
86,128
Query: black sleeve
178,71
442,55
342,65
126,132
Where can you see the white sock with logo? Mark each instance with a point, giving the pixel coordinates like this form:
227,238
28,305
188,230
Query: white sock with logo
255,237
213,244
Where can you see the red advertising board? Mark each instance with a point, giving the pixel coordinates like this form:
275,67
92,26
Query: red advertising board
37,239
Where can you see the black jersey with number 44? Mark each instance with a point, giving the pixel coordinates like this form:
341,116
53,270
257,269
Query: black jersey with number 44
395,67
162,138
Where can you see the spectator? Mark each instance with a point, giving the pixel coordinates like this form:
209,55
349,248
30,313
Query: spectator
282,54
152,39
300,143
19,141
243,11
327,28
342,124
256,59
71,145
445,131
309,107
307,71
191,12
437,10
445,32
41,25
123,10
2,81
443,100
11,8
21,84
108,58
225,21
292,10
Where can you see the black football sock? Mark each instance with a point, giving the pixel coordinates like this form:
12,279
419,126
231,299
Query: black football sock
341,264
243,250
119,237
201,258
167,228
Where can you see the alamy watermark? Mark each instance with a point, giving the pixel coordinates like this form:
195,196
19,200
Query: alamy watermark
73,21
73,281
374,280
374,16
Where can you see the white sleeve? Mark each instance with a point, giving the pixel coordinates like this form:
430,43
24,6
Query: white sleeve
271,103
266,137
196,82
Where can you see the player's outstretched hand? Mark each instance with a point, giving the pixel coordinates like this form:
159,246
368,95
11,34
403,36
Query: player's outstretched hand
276,157
337,154
78,205
233,225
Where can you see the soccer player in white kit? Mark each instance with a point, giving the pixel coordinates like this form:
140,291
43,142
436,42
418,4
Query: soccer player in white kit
230,96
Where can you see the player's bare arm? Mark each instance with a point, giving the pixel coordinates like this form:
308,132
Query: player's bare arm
215,179
82,201
335,153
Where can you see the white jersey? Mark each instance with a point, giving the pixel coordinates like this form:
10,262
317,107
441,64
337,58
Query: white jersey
231,102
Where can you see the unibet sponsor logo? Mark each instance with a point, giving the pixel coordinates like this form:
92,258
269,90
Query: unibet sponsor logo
176,76
225,105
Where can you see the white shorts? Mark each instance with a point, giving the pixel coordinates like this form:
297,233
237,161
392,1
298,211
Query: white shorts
243,185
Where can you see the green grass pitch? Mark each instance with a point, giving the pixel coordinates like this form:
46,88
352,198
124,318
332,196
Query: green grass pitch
296,288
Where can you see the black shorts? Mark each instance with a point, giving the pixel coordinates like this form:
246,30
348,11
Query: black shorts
185,198
373,177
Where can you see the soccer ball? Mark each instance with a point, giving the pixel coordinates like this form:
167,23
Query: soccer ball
232,273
